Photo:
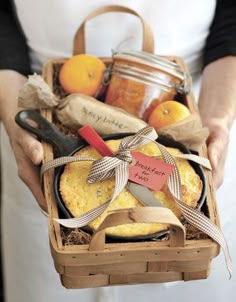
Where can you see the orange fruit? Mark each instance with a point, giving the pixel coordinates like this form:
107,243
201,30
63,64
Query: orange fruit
82,73
167,113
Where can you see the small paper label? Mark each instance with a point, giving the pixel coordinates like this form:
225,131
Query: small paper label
148,171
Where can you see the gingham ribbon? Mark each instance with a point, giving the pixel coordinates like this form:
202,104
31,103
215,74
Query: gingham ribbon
118,165
192,215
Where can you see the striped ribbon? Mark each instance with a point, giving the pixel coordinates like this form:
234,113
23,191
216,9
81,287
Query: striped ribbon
194,216
118,166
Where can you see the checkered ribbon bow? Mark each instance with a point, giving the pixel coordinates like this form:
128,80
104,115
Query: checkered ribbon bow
118,166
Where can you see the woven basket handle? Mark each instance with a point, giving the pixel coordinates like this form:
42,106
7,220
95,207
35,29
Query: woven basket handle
140,215
79,39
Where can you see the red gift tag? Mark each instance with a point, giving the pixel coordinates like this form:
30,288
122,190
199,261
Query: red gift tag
148,171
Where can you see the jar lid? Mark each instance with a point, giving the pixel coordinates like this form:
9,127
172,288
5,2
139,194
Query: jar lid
158,63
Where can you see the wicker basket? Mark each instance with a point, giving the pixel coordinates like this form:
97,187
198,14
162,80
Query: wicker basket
105,264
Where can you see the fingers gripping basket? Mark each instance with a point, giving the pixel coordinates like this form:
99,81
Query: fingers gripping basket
105,264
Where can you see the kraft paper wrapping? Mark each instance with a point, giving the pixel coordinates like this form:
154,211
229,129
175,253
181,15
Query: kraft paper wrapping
77,110
36,94
189,132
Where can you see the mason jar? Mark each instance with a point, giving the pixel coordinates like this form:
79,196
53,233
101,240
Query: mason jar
139,81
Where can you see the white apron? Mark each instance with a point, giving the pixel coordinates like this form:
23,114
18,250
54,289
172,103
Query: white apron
29,270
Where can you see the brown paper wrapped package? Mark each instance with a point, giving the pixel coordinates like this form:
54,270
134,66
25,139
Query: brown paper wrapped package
77,110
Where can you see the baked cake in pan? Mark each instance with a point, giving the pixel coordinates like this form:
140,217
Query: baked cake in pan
79,197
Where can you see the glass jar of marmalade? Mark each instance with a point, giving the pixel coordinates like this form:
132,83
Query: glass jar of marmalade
140,81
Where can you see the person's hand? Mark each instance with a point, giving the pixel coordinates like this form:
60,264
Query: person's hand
217,144
217,107
27,150
28,154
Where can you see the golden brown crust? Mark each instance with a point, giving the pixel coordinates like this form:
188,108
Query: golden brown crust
80,197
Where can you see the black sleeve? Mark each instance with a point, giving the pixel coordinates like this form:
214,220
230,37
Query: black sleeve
222,37
13,49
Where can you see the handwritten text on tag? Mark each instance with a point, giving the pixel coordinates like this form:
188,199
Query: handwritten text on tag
148,171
